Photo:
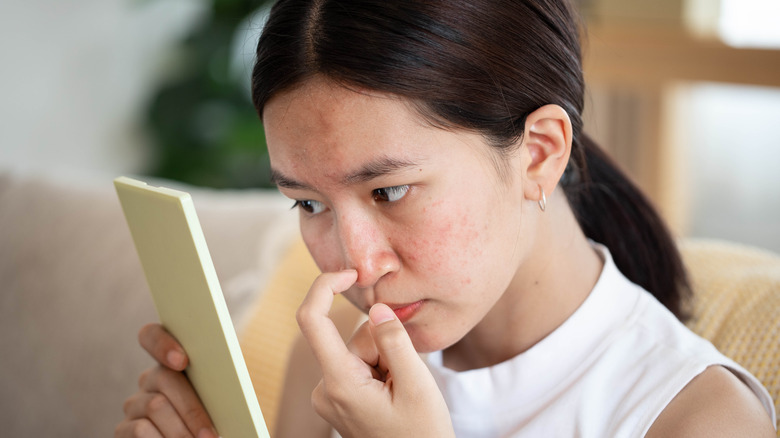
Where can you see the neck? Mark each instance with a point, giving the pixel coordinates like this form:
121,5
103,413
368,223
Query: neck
554,280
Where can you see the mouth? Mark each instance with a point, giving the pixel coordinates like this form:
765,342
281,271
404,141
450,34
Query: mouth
405,312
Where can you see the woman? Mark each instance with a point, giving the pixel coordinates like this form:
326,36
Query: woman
435,151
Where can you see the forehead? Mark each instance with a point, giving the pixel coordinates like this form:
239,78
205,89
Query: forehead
322,132
323,122
325,107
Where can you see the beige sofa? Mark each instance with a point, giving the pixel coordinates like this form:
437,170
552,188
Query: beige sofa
73,294
74,297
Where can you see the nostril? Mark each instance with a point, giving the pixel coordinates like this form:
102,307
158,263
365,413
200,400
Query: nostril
363,280
375,268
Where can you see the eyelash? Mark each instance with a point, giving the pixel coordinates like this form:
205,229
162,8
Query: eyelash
305,205
384,194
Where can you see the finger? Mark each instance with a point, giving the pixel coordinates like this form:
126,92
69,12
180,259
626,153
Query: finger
157,408
395,348
163,347
182,397
362,345
318,329
137,428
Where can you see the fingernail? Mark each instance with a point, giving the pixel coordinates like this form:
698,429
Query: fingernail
380,314
175,358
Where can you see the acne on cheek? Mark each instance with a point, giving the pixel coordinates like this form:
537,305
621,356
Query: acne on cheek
447,245
444,244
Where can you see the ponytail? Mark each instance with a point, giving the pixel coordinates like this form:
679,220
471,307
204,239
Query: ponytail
611,210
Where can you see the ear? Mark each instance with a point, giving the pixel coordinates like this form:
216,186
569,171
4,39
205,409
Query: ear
547,141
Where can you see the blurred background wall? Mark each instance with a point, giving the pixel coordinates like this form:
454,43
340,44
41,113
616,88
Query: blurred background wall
685,93
76,77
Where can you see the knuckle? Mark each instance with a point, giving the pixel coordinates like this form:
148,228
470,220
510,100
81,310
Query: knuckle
303,315
328,395
137,428
128,405
147,378
319,401
196,414
336,395
142,428
156,403
143,378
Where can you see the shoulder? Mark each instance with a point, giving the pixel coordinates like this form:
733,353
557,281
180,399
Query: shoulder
716,403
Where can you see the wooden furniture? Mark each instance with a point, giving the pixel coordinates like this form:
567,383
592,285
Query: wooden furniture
634,74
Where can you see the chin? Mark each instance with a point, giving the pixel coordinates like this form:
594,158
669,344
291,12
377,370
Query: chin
426,342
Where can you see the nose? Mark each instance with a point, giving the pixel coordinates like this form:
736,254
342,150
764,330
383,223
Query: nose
366,247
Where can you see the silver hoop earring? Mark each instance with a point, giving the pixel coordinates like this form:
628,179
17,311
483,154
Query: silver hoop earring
543,201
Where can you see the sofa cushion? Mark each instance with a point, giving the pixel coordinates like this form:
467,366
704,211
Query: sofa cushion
268,336
737,305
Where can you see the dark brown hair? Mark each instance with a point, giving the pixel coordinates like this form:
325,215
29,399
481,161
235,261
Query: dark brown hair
480,65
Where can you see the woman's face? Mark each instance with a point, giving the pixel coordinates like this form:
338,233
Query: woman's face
420,212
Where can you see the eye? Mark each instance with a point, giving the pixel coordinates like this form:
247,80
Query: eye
309,206
390,194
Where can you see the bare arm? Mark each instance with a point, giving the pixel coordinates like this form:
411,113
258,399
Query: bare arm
714,404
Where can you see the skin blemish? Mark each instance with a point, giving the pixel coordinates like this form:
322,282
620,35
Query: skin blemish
443,244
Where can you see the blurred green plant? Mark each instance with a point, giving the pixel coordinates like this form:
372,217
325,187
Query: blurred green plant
203,126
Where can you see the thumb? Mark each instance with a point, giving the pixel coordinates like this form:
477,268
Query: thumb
395,347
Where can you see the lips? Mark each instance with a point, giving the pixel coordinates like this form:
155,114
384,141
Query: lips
405,312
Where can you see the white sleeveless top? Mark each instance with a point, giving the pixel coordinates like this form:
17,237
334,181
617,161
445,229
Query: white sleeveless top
607,371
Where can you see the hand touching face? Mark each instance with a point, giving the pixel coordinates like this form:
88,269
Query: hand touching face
377,386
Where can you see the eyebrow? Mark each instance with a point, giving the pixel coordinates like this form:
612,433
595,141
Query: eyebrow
371,170
282,181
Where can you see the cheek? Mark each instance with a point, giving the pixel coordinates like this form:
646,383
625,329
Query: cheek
446,243
324,252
